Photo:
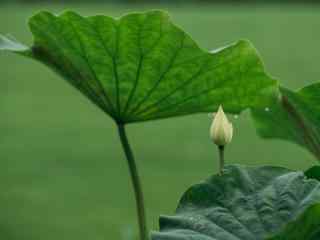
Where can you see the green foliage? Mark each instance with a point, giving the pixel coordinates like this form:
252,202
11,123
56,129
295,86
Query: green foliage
142,67
306,227
294,117
245,203
313,172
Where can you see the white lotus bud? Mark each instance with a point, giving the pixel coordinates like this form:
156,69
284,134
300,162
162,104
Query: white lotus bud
221,130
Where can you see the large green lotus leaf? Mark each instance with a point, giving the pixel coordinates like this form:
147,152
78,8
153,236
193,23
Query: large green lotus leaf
141,66
245,203
306,227
295,116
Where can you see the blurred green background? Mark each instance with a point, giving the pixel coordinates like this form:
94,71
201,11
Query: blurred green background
62,170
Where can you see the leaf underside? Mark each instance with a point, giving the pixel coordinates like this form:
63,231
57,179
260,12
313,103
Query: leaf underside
142,67
294,117
245,203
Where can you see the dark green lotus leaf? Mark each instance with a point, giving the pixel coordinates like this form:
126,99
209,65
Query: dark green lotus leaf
295,117
306,227
313,172
141,66
245,203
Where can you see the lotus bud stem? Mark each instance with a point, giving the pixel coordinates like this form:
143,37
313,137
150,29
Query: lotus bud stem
221,132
